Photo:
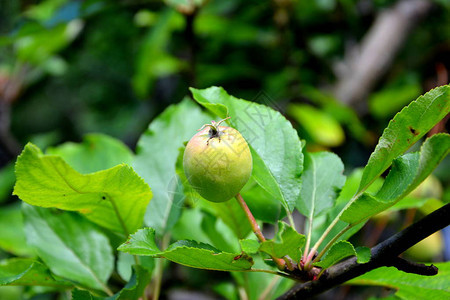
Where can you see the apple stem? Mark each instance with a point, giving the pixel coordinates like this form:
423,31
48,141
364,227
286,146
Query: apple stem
281,264
251,219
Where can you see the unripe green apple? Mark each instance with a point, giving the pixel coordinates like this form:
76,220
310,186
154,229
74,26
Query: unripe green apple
217,162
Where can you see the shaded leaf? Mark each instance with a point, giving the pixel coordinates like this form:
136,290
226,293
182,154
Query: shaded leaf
112,198
232,215
135,287
12,235
406,128
322,180
216,236
275,146
188,253
83,295
95,153
157,154
262,204
71,246
24,271
249,246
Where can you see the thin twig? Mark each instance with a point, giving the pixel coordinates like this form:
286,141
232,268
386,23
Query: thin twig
383,254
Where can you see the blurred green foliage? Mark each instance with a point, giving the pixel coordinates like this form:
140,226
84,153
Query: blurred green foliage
69,68
111,66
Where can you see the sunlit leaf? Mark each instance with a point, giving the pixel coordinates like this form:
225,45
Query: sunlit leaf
288,242
405,129
115,198
409,286
407,172
188,253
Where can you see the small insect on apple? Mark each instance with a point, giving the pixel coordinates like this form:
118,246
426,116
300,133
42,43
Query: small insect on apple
217,162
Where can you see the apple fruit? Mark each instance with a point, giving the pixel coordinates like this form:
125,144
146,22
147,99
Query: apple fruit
217,162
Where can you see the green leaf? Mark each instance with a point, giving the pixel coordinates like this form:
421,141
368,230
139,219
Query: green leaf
432,152
24,271
363,255
12,238
115,198
216,236
189,226
249,246
406,128
83,295
71,246
408,285
141,243
322,180
157,154
401,175
126,262
407,172
232,215
188,253
135,287
348,190
320,126
341,250
288,242
97,152
276,148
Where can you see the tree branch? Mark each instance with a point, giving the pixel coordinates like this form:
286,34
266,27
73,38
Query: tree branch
412,267
384,254
365,64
